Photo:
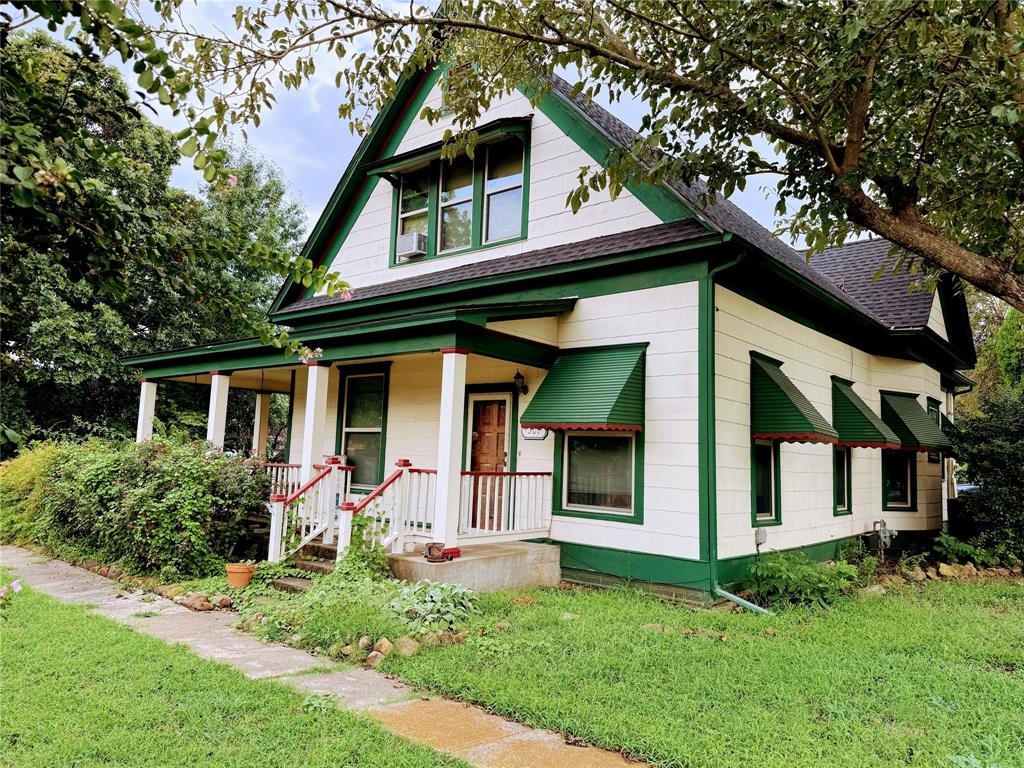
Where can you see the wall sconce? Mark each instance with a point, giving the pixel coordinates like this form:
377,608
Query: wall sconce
519,382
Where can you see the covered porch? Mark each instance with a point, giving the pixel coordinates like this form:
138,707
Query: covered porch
422,440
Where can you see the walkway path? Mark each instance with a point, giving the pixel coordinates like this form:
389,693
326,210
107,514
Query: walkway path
469,732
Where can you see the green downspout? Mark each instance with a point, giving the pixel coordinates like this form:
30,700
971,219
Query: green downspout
712,479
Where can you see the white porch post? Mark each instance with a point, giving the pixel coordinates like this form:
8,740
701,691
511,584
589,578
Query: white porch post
449,446
261,424
315,420
147,406
217,419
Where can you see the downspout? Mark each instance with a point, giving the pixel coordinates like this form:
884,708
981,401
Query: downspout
710,469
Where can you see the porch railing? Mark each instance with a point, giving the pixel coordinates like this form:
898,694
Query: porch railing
505,505
284,478
308,511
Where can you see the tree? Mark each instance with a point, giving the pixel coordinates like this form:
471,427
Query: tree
65,328
1009,349
906,119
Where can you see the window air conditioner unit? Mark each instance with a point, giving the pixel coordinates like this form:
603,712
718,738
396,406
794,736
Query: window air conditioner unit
411,245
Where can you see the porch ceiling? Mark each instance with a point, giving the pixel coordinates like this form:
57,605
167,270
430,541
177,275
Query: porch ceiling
259,379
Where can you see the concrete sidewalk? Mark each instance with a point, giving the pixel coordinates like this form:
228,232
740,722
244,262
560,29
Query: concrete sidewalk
460,729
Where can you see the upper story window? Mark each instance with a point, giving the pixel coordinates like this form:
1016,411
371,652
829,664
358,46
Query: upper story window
454,206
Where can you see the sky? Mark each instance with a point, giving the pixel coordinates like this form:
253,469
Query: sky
304,137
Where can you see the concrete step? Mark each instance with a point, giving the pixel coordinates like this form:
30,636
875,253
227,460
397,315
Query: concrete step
315,566
293,584
319,551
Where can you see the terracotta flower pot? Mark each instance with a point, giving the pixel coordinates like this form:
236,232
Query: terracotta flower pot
239,574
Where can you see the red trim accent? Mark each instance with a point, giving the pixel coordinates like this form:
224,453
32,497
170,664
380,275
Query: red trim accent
214,373
403,463
317,364
853,444
347,506
375,493
608,427
143,380
276,497
474,473
323,473
797,437
451,552
332,460
453,351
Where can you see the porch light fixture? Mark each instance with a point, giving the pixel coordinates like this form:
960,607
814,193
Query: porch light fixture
519,382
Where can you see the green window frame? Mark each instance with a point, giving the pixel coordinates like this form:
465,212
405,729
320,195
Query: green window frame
899,468
842,480
488,192
349,378
765,468
560,480
932,406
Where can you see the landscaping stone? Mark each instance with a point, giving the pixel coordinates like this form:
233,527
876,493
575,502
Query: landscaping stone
932,573
949,571
969,571
875,590
91,565
502,626
383,646
374,659
221,601
1016,570
195,602
429,640
364,642
406,646
452,638
917,573
891,580
1002,572
339,650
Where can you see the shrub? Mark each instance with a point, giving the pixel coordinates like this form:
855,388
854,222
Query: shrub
429,606
174,507
990,447
952,550
784,577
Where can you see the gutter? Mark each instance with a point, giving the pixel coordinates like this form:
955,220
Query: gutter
709,436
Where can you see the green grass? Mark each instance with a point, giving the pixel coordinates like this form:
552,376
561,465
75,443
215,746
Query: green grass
80,690
930,676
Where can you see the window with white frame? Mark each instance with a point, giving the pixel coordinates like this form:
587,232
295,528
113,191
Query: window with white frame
362,427
412,214
455,219
503,191
899,479
598,469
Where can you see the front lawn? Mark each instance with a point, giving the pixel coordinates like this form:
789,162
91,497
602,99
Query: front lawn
80,690
928,676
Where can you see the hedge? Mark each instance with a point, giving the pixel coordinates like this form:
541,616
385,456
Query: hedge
171,507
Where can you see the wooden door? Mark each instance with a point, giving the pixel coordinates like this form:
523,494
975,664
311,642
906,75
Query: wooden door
487,454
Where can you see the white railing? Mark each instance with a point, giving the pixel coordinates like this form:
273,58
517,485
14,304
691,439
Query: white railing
504,505
419,520
284,478
382,513
309,511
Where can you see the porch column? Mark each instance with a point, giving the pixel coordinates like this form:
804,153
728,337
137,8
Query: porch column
261,423
449,446
147,405
217,419
315,417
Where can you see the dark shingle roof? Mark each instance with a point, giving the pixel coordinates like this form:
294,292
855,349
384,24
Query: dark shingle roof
891,297
673,233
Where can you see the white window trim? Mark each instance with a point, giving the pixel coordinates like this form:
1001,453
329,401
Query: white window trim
772,512
488,194
346,430
410,214
911,467
632,473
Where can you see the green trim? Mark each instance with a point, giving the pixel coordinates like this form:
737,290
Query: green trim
776,518
933,408
511,418
735,570
354,188
477,242
382,369
912,458
911,423
779,410
636,566
291,416
836,511
636,518
855,422
664,203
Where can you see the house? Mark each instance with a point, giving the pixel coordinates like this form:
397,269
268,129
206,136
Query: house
655,384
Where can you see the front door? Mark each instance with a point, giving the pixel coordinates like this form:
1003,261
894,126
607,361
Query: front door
488,454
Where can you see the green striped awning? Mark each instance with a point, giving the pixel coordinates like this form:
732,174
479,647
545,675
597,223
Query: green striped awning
592,388
916,429
780,411
856,423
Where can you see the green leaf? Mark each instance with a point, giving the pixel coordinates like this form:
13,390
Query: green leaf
190,147
23,197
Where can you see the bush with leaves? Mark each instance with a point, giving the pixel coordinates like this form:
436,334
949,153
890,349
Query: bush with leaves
170,507
952,550
793,578
430,606
990,448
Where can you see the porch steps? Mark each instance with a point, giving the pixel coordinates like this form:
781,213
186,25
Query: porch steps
321,567
319,551
292,584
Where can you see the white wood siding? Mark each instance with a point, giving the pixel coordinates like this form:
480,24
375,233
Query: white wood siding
555,163
936,320
810,359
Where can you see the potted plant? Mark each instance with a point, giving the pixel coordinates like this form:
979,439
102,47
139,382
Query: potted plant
239,574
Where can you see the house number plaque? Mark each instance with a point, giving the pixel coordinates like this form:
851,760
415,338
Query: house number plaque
533,433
